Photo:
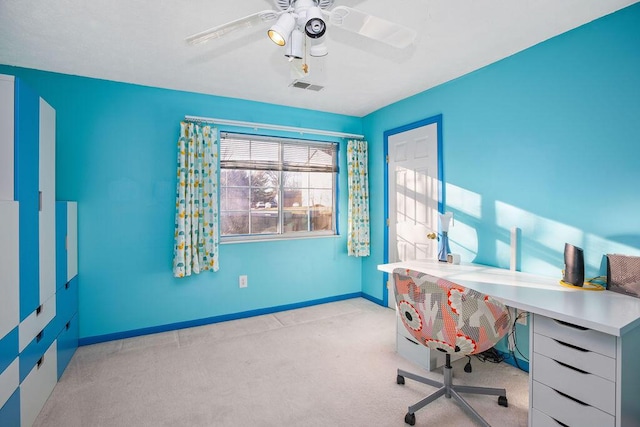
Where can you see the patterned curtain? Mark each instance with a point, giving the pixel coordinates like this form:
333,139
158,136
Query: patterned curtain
358,239
196,229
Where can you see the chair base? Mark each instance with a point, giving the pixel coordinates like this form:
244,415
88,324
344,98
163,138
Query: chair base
448,389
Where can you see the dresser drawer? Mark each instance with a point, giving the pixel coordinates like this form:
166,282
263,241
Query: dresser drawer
34,351
36,322
586,360
66,303
38,385
587,388
587,339
412,350
540,419
408,347
565,410
67,344
9,381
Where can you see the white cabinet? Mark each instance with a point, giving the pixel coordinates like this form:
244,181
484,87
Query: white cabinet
47,194
38,385
6,136
32,258
576,377
9,274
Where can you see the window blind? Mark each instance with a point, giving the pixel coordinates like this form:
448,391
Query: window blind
239,151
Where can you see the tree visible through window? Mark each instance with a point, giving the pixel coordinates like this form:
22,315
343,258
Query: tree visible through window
276,187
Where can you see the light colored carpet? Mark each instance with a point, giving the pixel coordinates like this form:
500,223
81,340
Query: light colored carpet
327,365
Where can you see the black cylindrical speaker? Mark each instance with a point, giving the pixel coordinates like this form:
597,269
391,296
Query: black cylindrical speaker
573,265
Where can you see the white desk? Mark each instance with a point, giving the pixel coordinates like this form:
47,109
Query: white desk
611,340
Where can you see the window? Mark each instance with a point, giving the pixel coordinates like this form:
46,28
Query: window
276,187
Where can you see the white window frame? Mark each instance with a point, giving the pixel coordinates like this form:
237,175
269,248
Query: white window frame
281,235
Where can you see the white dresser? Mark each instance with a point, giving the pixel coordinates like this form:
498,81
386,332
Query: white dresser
576,380
38,243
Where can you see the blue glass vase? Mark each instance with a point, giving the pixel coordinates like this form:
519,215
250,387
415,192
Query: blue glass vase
443,247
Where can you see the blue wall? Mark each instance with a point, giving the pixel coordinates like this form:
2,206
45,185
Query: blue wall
116,155
546,140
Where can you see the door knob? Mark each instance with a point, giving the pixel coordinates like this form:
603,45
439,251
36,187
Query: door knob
431,236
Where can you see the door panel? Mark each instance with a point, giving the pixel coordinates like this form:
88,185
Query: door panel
413,194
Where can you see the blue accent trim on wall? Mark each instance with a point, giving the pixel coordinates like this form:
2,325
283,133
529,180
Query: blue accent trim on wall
441,193
27,154
374,299
214,319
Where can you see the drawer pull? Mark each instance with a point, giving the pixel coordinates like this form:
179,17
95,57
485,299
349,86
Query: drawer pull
39,336
571,367
68,325
572,398
66,285
411,341
559,423
40,362
39,310
575,347
571,325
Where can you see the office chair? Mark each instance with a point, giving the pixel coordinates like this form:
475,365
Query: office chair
452,319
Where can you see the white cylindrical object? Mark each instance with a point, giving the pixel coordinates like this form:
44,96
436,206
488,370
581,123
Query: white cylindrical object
514,249
453,258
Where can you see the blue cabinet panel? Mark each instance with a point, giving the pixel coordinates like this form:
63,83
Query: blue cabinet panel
8,349
61,243
67,344
36,349
66,303
26,152
10,412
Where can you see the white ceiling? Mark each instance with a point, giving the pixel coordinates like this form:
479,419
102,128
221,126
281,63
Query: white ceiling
142,42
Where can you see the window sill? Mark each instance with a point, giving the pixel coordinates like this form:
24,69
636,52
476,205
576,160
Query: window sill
275,238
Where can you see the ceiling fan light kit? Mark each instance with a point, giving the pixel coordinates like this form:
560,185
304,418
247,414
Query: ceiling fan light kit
314,26
299,18
280,32
295,45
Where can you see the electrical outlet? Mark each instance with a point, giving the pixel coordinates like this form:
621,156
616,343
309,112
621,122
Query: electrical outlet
243,281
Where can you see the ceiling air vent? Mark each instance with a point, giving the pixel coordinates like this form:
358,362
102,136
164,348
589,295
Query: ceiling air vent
304,85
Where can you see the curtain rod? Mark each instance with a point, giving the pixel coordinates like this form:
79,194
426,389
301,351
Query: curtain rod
272,127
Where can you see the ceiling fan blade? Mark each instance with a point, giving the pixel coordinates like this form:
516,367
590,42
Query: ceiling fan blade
224,29
373,27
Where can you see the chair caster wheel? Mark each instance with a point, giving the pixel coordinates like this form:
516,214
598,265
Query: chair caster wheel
410,419
400,379
502,401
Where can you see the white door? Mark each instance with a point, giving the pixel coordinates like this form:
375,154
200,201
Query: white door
413,195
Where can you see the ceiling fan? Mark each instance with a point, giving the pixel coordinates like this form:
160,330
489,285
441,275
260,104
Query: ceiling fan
298,21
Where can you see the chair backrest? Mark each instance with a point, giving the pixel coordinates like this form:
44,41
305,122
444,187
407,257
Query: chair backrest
446,316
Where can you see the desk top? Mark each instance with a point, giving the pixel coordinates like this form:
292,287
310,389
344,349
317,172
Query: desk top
604,311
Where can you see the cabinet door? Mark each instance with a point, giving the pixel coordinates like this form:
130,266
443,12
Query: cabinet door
6,136
61,245
47,214
9,273
27,136
72,240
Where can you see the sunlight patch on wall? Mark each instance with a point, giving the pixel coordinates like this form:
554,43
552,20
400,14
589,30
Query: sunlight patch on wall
464,200
463,240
